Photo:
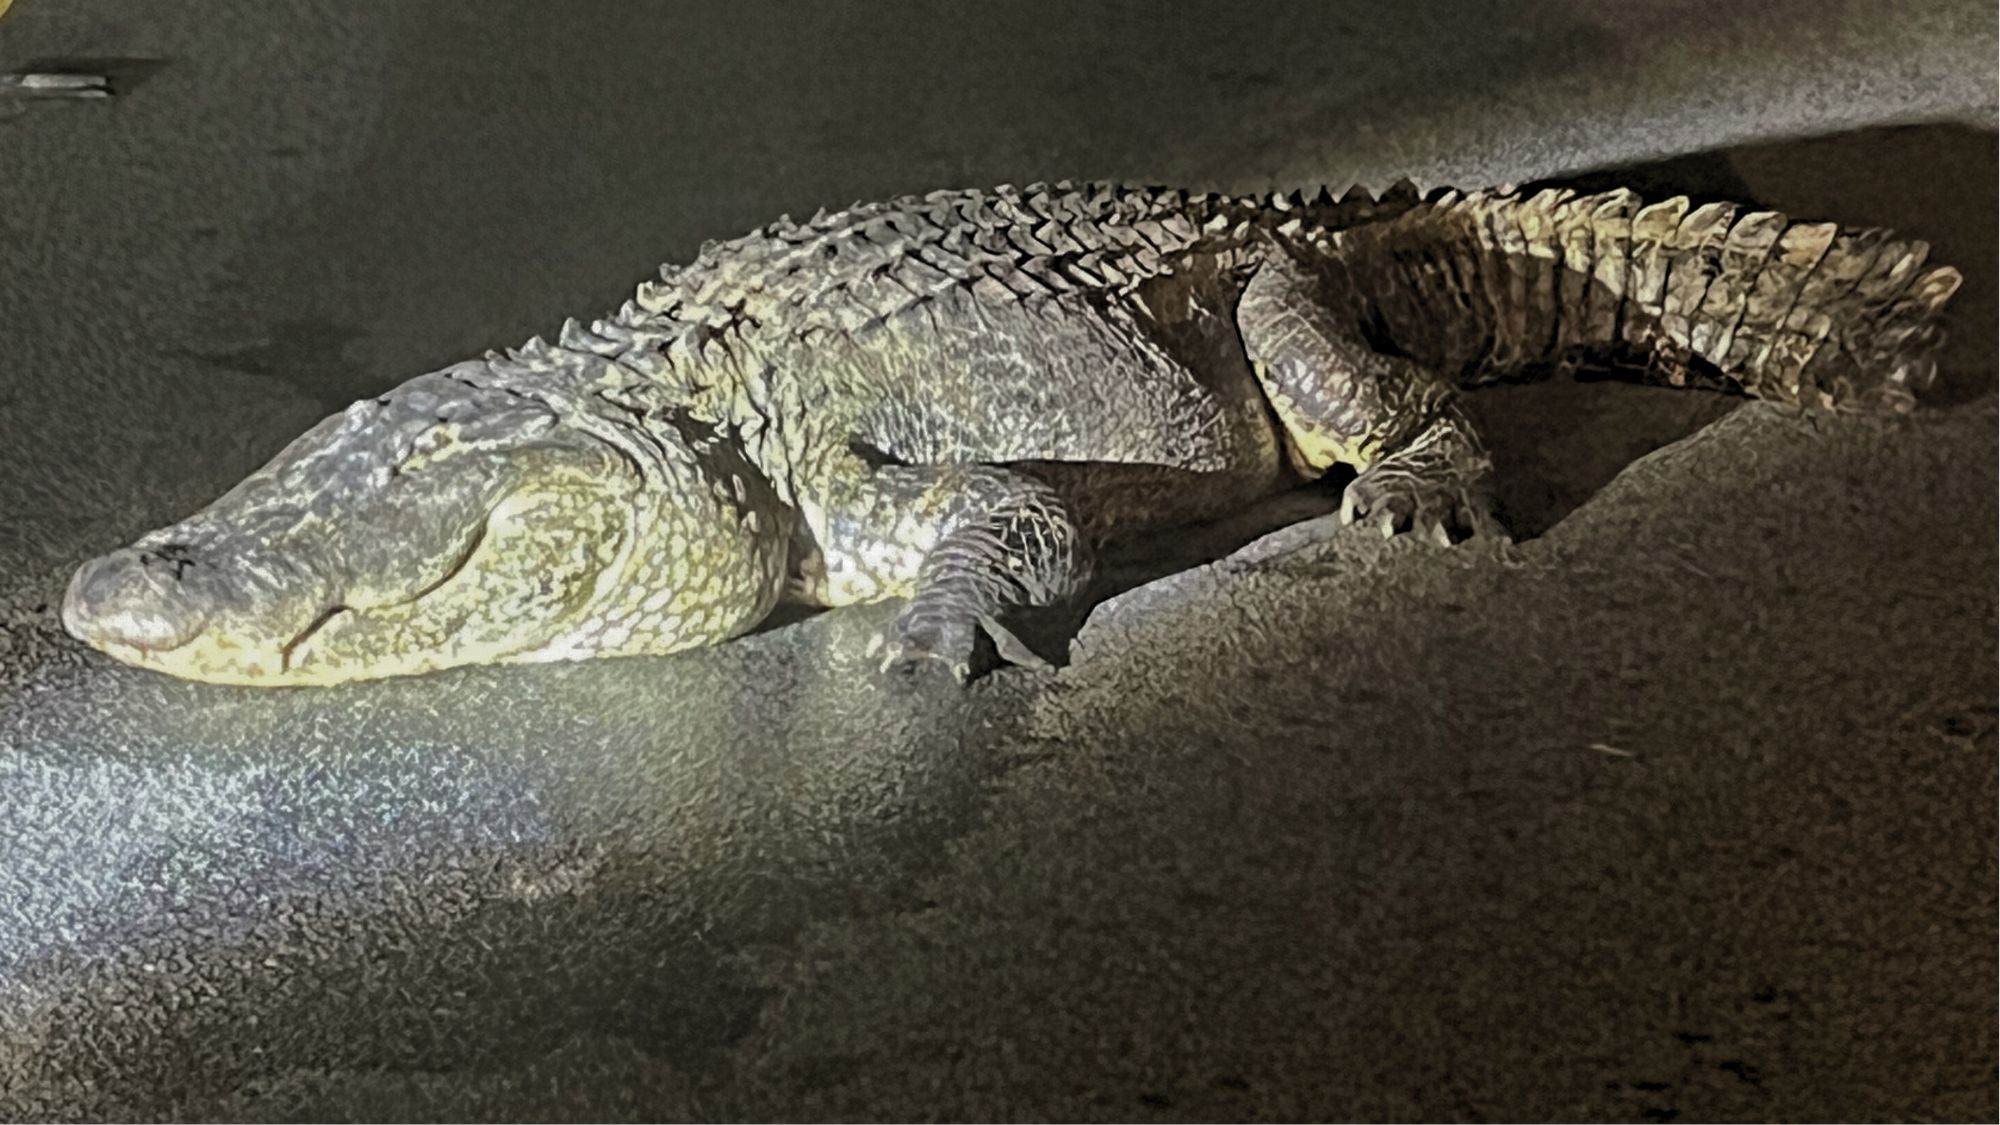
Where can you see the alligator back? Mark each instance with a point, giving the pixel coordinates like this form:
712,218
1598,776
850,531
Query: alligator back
850,271
1493,286
1485,286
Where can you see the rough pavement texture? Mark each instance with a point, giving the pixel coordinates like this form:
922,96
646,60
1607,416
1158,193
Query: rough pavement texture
1685,806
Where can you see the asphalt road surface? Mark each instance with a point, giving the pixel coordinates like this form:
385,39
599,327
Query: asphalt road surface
1681,806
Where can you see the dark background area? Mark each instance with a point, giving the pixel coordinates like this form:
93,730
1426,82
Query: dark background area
1683,807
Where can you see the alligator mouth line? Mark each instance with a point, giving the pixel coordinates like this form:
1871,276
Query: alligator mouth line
328,615
305,634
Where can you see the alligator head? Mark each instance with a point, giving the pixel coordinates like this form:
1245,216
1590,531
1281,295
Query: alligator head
468,516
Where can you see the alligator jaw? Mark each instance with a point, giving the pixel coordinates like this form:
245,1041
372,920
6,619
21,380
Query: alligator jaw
489,513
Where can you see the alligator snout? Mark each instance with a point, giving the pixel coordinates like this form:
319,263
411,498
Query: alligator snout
133,598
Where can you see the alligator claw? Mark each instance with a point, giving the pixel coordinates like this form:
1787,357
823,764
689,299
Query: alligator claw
917,644
910,660
1440,512
1011,648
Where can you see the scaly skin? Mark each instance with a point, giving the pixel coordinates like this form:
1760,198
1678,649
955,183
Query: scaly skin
960,399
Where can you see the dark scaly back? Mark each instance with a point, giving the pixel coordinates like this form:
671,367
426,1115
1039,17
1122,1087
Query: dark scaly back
847,273
1798,312
847,270
1485,286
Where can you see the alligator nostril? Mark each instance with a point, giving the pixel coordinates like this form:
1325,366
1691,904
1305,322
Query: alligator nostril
132,599
171,559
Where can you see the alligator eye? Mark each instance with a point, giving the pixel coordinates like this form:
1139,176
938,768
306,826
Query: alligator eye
429,447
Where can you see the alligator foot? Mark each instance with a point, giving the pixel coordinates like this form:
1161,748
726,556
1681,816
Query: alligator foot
1436,487
1009,546
1394,501
952,644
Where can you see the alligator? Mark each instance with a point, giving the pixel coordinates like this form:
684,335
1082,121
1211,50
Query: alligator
963,398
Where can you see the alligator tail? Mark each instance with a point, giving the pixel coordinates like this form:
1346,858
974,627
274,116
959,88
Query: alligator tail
1504,286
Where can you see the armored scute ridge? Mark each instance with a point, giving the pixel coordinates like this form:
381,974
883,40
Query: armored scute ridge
960,399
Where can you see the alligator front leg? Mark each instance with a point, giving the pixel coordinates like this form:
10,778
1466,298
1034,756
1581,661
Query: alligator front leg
1346,398
966,544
